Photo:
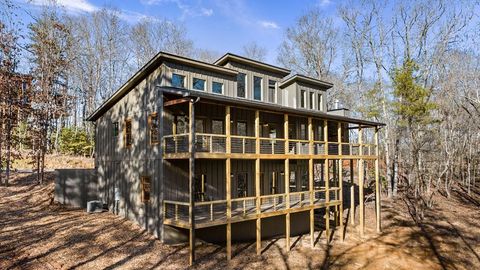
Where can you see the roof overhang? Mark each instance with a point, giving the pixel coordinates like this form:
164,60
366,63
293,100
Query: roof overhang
307,80
230,57
153,64
225,100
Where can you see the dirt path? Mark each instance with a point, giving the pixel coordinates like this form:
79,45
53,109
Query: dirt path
35,234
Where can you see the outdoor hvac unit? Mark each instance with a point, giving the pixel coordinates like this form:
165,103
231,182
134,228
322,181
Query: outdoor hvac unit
94,206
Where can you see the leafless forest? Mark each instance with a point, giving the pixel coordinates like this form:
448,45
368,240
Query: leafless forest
414,65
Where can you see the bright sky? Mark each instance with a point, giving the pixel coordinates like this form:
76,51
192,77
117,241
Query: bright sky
219,25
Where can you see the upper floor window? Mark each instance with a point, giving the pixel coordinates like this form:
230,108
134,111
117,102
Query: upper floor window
154,126
241,83
198,84
128,133
178,80
217,88
257,88
303,97
272,91
320,102
115,129
311,100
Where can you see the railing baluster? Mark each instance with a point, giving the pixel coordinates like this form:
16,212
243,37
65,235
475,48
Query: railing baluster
211,144
176,212
211,211
244,209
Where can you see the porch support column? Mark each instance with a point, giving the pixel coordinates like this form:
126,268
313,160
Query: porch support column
360,183
257,183
228,185
377,184
191,179
287,185
310,182
352,192
327,183
228,189
340,179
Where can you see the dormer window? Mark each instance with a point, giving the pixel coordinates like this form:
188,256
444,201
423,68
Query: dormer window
178,80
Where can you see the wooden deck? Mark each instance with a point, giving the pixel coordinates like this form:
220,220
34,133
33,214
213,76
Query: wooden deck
214,213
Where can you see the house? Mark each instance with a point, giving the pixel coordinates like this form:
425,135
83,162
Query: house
229,151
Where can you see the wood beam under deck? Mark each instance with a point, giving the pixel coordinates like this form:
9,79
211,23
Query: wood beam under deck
205,155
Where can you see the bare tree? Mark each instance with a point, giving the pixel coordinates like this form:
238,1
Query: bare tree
254,51
310,45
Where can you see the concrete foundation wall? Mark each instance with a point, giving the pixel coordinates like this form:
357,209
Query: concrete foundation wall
76,186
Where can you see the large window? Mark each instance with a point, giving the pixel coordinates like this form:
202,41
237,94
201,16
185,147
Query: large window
311,100
178,80
242,185
257,88
199,125
272,91
198,84
153,126
217,88
146,188
320,102
128,133
241,83
303,97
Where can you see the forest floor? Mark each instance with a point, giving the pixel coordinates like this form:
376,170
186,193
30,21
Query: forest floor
36,233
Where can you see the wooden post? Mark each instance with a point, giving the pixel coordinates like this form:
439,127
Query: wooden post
191,179
377,184
228,189
257,199
352,193
310,182
340,179
287,185
228,184
228,143
360,183
327,182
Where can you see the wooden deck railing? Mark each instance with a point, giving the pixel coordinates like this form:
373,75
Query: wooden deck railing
217,143
215,211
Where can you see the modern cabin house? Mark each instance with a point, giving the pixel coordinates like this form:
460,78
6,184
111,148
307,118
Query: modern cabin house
230,151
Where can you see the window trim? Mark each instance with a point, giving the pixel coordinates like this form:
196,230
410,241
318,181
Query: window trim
311,100
204,84
222,93
320,102
142,188
184,79
303,98
128,120
275,91
150,129
245,86
261,88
